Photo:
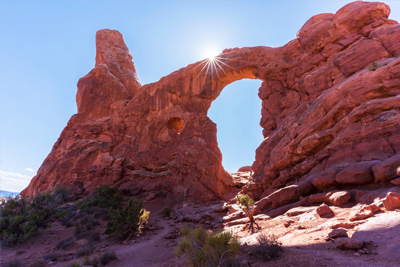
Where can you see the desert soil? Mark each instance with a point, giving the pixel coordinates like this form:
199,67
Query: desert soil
302,237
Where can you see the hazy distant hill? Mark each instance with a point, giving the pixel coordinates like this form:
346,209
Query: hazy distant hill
8,194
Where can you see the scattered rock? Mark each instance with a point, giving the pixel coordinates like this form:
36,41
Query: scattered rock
387,169
237,222
339,198
348,243
396,181
336,233
262,217
392,201
364,212
298,211
323,209
287,223
357,173
150,197
234,216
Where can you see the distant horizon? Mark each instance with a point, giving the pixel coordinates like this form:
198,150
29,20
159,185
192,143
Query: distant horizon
46,46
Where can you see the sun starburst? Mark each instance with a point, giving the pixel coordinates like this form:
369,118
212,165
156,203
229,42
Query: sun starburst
212,64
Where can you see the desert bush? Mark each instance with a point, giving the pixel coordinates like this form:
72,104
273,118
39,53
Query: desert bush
373,66
204,248
74,264
22,217
20,251
66,243
103,196
62,193
125,223
97,212
247,205
108,256
268,248
85,250
84,226
52,257
38,263
66,222
95,261
93,236
166,212
13,263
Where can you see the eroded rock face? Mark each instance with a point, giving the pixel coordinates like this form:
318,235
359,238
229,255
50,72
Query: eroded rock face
328,120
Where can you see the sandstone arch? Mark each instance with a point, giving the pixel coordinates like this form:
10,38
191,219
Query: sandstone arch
323,113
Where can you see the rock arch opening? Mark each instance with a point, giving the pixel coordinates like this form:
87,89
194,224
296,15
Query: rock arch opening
237,113
176,124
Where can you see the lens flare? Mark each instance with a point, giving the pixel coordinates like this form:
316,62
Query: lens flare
211,54
213,63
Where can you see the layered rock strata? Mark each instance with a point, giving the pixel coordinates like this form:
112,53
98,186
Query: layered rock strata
330,117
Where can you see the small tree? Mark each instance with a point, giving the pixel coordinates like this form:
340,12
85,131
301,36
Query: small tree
125,223
247,205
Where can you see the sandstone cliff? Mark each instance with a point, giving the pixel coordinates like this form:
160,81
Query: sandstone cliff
330,119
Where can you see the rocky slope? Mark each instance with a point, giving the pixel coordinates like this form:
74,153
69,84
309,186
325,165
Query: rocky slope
330,118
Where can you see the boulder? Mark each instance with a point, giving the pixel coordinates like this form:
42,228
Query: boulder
364,212
396,181
348,243
387,169
336,233
392,201
356,173
339,198
323,209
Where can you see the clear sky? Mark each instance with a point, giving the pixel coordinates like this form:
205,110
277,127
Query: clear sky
46,46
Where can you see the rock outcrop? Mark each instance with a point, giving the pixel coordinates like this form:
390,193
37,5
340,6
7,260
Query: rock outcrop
330,117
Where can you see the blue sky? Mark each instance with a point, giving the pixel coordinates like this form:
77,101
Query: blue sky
46,46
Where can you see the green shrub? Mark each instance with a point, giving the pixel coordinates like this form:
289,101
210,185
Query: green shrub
95,261
13,263
93,236
166,212
62,193
125,223
66,243
75,264
21,217
373,66
208,249
108,256
38,263
84,226
52,257
268,248
103,196
246,204
85,250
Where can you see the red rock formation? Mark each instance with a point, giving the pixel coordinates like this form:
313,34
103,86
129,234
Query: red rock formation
329,121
